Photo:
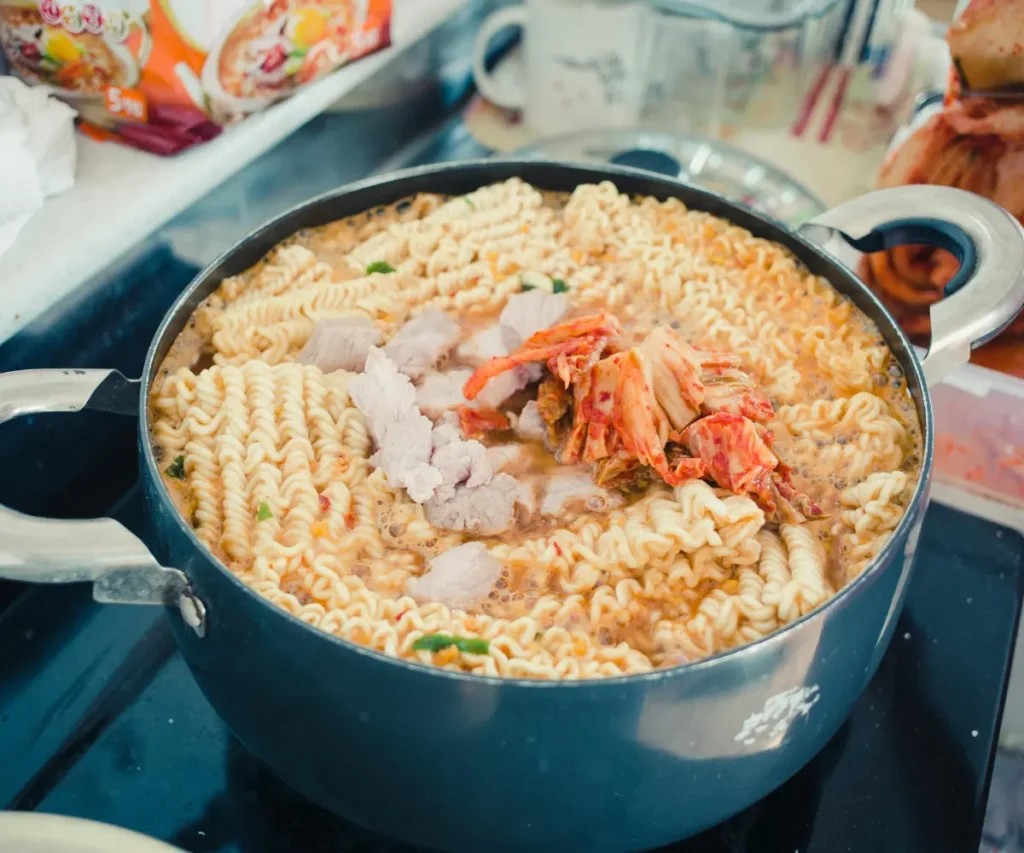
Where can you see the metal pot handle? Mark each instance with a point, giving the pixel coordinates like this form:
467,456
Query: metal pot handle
987,292
101,550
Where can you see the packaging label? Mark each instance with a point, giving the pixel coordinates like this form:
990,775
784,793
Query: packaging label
166,74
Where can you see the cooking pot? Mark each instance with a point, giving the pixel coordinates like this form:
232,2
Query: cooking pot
462,762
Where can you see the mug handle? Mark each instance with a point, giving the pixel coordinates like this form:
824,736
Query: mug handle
987,292
504,94
100,550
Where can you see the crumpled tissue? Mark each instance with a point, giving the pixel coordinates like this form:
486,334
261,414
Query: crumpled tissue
37,153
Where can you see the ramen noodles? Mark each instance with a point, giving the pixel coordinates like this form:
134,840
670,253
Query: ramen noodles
533,435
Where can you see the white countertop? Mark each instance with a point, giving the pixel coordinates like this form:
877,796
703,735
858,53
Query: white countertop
122,195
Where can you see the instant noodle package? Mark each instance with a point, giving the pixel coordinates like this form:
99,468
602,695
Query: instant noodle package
162,75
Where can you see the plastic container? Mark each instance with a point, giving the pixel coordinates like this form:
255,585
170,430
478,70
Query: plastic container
712,57
979,434
721,64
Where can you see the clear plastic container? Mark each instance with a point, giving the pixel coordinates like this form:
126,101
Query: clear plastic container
754,14
712,58
979,434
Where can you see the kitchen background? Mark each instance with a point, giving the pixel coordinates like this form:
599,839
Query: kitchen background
790,106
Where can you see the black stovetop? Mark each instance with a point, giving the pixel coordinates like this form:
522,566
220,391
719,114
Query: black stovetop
100,718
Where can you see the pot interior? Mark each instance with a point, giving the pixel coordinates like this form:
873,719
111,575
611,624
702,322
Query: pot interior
461,178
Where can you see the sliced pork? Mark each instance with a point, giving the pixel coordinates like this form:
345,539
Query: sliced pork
502,456
421,342
457,578
525,314
441,392
381,393
504,385
485,344
531,426
457,460
403,435
485,510
434,464
340,343
566,494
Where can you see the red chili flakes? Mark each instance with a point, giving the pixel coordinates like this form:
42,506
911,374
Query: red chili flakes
325,503
398,618
350,520
558,549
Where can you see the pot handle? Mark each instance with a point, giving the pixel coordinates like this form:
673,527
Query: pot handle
101,550
987,292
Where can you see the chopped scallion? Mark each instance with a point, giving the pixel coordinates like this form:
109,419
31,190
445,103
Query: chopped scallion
469,201
438,642
559,286
263,511
176,469
379,266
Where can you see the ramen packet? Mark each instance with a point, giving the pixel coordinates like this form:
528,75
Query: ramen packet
163,75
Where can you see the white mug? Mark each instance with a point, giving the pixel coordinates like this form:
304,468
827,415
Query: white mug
585,63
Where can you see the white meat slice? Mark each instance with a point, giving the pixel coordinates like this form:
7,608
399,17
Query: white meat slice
421,342
502,456
404,456
527,313
403,435
504,385
484,345
340,343
484,510
565,493
381,393
441,392
523,315
457,460
531,426
457,578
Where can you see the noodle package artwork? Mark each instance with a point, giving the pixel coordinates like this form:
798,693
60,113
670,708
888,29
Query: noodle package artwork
163,75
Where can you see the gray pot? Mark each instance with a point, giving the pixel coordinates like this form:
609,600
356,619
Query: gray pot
461,762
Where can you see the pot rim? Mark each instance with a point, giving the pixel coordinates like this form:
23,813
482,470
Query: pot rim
584,172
